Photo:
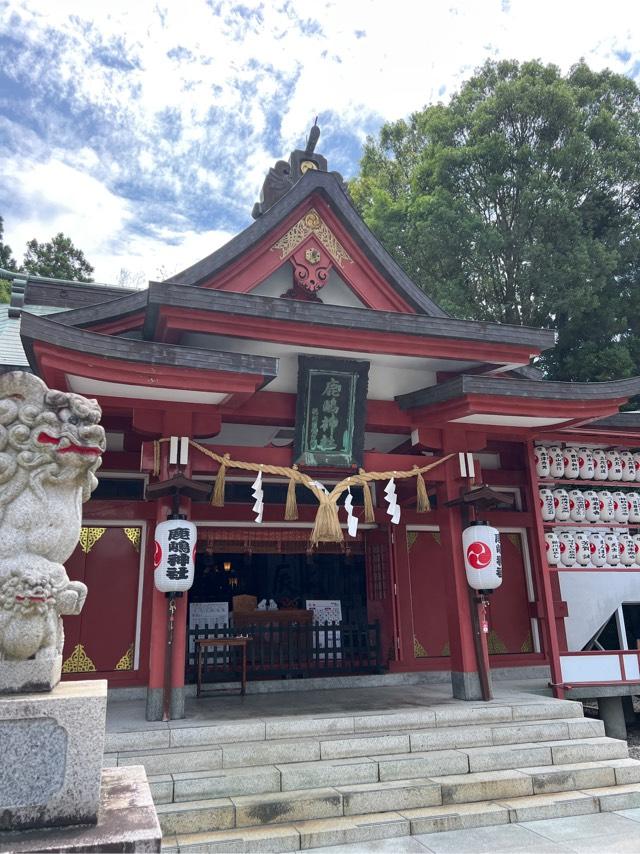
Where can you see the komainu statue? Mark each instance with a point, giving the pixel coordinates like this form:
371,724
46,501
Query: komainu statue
51,444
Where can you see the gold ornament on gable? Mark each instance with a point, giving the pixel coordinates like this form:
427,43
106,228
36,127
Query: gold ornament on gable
312,223
78,661
89,537
134,536
126,662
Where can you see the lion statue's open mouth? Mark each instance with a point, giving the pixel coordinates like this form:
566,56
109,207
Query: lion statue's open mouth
64,445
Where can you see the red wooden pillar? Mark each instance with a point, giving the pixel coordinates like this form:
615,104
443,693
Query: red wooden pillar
403,608
174,424
547,612
465,680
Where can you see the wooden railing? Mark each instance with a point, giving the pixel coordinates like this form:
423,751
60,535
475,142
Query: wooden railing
291,650
600,667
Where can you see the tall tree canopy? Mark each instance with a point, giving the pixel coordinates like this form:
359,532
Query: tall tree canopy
58,258
6,263
519,202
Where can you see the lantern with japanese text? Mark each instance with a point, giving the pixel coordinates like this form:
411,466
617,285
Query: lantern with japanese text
174,555
482,556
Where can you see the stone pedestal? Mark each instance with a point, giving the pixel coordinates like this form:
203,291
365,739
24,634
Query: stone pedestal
612,714
51,749
466,686
127,821
33,675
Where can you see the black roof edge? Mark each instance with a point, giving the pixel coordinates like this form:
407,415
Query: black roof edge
111,310
44,329
329,186
544,390
45,290
619,421
208,299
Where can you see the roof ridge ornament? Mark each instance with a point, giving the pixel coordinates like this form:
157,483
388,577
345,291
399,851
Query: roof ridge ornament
285,174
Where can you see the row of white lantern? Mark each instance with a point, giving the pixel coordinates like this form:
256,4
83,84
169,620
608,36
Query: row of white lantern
592,548
576,505
587,463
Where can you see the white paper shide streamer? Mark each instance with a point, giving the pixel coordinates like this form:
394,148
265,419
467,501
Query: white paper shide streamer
393,509
258,495
352,519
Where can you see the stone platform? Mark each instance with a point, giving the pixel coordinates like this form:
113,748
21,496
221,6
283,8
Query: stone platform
288,772
127,821
51,748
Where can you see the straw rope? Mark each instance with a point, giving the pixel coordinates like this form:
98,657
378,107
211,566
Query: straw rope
327,526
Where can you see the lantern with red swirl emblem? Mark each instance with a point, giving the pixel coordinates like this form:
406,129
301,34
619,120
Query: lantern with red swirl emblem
482,556
174,555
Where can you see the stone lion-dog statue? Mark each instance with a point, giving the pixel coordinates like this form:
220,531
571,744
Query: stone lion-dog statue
51,444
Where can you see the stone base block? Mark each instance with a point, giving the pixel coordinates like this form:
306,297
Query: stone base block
466,686
51,749
127,821
28,677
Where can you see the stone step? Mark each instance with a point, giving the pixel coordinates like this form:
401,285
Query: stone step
283,751
225,782
398,795
443,715
368,828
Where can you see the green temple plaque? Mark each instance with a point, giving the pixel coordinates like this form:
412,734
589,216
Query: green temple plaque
330,412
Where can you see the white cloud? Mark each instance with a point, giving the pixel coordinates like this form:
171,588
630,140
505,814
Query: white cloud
166,114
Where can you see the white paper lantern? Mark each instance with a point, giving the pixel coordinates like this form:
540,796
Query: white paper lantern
592,505
174,555
547,506
568,556
577,506
586,465
583,550
571,463
556,461
633,503
598,550
612,549
601,470
628,466
636,463
626,547
482,556
541,457
607,507
614,465
561,504
552,546
620,507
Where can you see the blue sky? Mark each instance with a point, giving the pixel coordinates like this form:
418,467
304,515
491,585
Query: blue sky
144,130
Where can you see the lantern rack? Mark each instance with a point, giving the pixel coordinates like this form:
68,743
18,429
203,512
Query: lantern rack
561,481
593,568
591,525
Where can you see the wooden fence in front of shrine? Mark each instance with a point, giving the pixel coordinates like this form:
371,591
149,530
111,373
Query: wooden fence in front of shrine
292,651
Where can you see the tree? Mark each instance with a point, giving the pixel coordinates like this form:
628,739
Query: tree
58,258
6,263
519,202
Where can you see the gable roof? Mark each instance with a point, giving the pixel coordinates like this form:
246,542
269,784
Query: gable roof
326,185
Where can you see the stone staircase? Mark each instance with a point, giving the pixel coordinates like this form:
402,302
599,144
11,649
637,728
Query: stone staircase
284,784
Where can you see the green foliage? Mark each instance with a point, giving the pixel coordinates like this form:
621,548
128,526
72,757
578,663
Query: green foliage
58,259
519,202
6,256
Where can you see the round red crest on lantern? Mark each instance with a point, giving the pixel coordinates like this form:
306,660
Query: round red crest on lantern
479,555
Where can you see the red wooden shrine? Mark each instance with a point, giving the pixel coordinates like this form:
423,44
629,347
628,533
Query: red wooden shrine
211,354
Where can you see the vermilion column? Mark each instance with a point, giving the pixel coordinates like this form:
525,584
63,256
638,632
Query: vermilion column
174,424
465,680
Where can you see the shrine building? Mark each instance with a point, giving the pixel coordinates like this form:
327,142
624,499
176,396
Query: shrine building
302,345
